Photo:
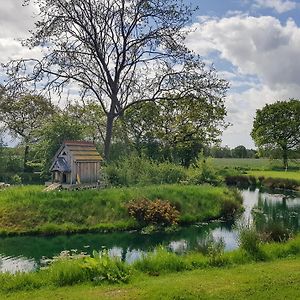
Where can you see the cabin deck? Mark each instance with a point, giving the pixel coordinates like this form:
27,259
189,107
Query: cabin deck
70,187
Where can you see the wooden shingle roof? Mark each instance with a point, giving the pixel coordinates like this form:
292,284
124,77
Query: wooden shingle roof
83,151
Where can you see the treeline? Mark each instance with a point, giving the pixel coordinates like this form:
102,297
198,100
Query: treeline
226,152
174,130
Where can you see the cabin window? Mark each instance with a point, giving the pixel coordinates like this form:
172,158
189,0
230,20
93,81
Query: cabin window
64,153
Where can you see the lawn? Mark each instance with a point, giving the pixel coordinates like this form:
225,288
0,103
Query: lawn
271,280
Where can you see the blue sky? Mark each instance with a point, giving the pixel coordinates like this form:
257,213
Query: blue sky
254,44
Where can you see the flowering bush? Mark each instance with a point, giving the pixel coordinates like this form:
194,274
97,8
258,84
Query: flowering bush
157,212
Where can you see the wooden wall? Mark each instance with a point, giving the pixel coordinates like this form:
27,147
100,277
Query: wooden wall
89,172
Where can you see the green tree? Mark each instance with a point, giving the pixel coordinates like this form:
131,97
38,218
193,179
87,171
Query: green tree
181,127
22,115
220,152
2,156
119,52
278,126
239,152
52,134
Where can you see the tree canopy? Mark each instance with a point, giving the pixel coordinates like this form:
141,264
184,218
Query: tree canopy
277,126
22,115
117,52
179,128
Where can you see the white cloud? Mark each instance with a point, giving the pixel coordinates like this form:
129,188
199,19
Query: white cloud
259,46
15,22
279,6
242,108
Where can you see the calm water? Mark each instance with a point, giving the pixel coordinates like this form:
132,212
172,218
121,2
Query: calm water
26,253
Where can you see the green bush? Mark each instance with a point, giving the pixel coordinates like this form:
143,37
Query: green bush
240,180
250,241
216,253
134,170
16,179
281,183
275,232
72,269
229,208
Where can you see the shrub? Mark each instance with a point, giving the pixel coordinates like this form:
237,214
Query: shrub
240,180
157,212
69,269
276,232
109,269
281,183
250,241
205,172
135,170
229,208
216,253
16,179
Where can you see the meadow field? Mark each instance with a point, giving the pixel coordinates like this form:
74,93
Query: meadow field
253,164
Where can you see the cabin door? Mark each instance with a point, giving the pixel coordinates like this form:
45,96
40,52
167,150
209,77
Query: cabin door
64,178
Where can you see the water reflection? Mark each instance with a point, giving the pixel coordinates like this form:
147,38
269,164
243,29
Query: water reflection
17,264
24,253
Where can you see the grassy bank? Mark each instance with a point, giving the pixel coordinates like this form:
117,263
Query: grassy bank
273,280
29,210
163,275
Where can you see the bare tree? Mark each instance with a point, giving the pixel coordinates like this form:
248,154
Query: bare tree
118,51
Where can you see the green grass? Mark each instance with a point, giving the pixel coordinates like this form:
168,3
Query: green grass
272,280
30,210
295,175
251,163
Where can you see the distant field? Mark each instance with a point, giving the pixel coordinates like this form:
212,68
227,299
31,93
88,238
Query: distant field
276,174
251,163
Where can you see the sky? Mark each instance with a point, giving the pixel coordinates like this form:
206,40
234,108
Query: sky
254,44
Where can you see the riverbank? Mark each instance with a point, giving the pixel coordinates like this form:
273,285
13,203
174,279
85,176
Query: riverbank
29,210
293,175
238,274
261,179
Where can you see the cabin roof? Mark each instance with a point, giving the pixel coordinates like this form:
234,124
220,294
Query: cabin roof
83,151
61,165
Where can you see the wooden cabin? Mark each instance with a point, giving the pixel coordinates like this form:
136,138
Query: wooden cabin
76,162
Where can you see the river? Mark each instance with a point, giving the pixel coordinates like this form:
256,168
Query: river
25,253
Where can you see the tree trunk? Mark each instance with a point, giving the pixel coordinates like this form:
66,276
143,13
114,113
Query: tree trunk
26,153
285,157
108,135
